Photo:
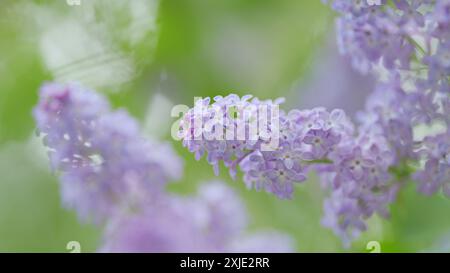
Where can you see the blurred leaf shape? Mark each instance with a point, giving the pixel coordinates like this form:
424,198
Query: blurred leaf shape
21,72
98,43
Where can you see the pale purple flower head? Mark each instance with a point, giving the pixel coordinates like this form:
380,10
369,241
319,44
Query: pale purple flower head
362,169
388,112
103,160
360,185
164,227
298,138
214,220
435,175
381,33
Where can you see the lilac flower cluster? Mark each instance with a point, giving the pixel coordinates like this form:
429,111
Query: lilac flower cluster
360,185
353,165
436,173
213,221
272,162
410,39
234,119
362,165
112,175
417,92
390,33
87,143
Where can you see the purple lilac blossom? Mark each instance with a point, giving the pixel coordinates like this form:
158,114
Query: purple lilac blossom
353,164
408,37
380,33
435,175
417,91
411,40
387,113
103,161
360,185
302,137
362,166
213,221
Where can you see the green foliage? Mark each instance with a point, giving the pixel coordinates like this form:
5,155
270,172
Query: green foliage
21,73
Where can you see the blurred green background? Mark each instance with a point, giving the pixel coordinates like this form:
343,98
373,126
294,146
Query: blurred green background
147,56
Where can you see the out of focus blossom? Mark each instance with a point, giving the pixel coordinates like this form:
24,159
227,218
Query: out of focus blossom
213,221
102,159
